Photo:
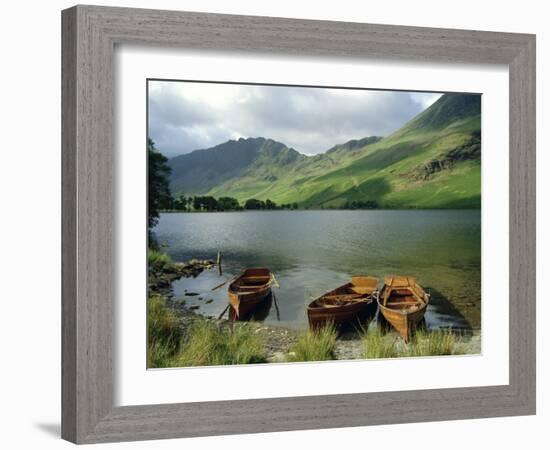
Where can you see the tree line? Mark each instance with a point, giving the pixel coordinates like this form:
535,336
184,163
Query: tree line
160,197
209,203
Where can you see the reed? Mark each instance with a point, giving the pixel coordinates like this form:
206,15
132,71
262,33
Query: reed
208,344
315,345
377,344
164,333
157,260
434,343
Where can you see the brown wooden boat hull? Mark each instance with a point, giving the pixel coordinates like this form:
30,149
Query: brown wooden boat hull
249,290
339,316
349,304
244,305
403,303
404,322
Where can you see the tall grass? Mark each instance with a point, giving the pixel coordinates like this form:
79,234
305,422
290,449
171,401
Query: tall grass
207,344
315,345
157,260
434,343
202,343
164,333
377,344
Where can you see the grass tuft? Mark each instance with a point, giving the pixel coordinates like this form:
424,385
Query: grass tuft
157,260
377,344
315,345
209,345
163,333
434,343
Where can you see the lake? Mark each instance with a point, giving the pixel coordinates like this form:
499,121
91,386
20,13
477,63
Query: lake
312,252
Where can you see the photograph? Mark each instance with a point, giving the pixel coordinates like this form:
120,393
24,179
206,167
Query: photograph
292,224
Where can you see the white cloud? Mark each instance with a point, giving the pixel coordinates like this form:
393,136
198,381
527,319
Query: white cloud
185,116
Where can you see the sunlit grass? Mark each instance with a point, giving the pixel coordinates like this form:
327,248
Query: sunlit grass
157,260
315,345
434,343
377,344
164,333
202,343
207,344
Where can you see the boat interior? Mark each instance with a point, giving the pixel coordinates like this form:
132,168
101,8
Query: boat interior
402,293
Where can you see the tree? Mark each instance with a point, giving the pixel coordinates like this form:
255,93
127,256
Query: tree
205,203
270,205
159,194
295,205
180,203
253,203
228,204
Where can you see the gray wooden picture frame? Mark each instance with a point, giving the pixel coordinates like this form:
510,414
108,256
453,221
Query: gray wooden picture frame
90,34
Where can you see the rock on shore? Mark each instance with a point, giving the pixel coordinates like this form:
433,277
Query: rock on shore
160,278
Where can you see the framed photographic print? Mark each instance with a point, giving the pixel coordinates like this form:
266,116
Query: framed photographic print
335,219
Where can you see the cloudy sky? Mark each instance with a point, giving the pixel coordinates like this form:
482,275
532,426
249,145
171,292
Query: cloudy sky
186,116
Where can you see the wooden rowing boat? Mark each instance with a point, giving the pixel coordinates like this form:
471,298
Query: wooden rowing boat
403,302
257,314
249,290
347,304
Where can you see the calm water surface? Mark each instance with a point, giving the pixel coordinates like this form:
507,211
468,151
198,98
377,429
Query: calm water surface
311,252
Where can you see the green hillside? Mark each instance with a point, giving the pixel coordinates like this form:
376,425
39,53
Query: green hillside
431,162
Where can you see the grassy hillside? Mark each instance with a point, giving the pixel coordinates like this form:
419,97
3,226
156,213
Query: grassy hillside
431,162
199,171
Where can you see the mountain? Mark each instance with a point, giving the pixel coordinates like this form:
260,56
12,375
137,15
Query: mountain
433,161
202,170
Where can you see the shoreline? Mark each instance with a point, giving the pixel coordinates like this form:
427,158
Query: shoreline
278,339
174,211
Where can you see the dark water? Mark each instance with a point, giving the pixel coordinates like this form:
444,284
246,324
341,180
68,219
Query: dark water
311,252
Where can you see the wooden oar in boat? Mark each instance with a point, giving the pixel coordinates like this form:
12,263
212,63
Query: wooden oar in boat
223,312
224,283
220,285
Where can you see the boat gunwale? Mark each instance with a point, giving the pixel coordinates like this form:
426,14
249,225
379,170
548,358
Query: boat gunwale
424,301
367,299
253,291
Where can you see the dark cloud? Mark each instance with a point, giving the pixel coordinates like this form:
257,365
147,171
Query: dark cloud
187,116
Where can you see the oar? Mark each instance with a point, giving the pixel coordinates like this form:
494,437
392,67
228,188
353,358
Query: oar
223,312
220,285
276,306
275,281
